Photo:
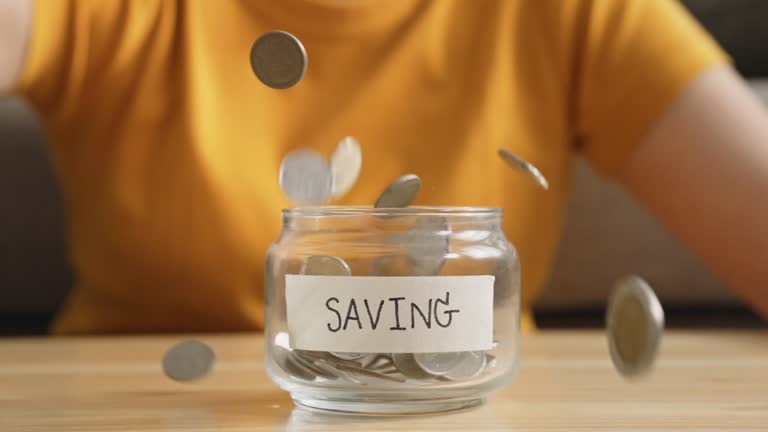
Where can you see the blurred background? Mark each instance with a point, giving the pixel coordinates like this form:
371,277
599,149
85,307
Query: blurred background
35,275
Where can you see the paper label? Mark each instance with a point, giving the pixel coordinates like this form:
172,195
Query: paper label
370,314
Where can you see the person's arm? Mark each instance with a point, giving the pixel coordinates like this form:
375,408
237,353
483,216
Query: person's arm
703,171
15,27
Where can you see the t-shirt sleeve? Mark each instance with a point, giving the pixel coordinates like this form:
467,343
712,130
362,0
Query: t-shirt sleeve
78,48
637,57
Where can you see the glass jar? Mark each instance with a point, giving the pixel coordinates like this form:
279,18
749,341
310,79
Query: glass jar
399,310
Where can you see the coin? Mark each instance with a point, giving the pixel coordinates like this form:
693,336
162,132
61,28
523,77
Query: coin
407,366
400,193
334,368
471,364
188,360
326,356
528,168
368,372
428,243
438,363
284,359
348,356
311,366
490,360
635,323
346,162
305,177
278,59
377,362
325,265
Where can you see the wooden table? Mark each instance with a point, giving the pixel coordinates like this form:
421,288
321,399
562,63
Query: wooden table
703,381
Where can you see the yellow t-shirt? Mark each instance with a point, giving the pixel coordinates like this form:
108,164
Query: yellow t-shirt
167,147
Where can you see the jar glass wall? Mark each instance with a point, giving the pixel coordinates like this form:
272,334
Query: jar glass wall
393,310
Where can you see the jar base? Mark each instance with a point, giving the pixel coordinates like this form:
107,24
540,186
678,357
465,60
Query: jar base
388,407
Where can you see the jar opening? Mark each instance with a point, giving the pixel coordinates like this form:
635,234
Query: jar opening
331,211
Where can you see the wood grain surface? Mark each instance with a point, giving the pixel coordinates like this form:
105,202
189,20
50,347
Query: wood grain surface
702,381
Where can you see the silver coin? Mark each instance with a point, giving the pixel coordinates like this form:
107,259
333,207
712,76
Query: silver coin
311,366
285,360
346,162
428,243
348,356
188,360
635,323
377,362
471,365
526,167
278,59
325,265
438,363
490,360
407,366
326,356
334,368
369,373
305,177
400,193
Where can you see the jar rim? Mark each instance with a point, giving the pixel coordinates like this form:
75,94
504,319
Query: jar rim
331,210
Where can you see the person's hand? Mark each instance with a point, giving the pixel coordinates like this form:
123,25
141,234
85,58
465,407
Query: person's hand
703,170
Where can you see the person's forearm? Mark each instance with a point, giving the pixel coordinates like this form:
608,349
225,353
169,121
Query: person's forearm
703,170
15,25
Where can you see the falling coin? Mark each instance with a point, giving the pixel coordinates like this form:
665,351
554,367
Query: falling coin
516,162
346,161
325,265
188,360
635,323
305,177
428,243
470,365
278,59
438,363
400,193
407,366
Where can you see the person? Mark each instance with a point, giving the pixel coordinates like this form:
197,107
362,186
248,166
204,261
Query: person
167,147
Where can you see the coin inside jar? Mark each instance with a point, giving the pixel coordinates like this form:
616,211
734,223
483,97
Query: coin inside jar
325,265
406,365
284,358
438,363
471,364
428,243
